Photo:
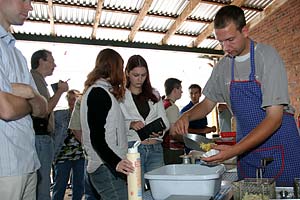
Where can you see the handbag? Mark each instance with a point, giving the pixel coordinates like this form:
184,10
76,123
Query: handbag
40,125
155,126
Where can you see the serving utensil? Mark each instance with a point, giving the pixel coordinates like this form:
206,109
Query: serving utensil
193,141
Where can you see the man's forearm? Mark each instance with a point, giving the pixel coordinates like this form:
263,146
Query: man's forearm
13,107
54,100
173,135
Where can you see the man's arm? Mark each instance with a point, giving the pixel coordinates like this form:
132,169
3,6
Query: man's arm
13,107
258,135
174,135
62,87
39,106
37,102
264,130
22,101
198,111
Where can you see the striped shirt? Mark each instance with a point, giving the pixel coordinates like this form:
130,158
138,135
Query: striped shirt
17,139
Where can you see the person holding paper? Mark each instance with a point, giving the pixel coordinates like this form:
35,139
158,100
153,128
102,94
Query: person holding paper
42,66
141,106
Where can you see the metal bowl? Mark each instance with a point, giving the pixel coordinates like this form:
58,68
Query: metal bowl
193,141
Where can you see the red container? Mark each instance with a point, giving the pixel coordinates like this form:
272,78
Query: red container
227,135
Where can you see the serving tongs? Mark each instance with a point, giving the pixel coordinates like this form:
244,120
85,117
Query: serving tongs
263,165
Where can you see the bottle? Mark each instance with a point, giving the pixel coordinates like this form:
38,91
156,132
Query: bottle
134,179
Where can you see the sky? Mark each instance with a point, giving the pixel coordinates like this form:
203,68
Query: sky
75,61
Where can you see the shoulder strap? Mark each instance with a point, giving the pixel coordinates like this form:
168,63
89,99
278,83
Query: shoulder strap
167,103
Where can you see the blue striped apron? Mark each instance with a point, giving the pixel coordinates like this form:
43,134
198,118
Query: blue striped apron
283,146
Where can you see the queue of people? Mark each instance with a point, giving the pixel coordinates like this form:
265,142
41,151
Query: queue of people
116,105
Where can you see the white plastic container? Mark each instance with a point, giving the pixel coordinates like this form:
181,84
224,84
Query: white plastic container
193,179
134,179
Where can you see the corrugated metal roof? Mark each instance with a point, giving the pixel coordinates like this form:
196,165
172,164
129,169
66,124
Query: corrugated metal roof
161,24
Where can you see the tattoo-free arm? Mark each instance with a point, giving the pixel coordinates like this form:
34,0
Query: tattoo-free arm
13,107
37,102
198,111
39,106
257,136
62,87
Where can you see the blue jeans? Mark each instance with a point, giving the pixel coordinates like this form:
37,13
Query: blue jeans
62,175
90,192
108,185
44,148
151,158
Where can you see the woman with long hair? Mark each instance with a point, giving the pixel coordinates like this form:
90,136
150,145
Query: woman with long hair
103,127
142,105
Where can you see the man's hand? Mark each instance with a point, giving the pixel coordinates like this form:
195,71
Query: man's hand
226,152
213,129
39,106
181,125
37,102
13,107
22,90
63,86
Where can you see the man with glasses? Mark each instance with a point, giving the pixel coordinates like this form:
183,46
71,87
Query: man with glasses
42,65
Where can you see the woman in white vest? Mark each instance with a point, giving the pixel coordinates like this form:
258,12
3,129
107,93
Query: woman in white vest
103,127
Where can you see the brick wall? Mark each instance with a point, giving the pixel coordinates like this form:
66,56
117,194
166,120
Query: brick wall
282,31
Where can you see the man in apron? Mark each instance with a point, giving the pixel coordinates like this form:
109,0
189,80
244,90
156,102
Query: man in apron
251,79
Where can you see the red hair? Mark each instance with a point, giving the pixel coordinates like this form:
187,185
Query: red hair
109,66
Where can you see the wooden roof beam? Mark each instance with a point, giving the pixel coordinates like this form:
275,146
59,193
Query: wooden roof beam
97,18
180,19
51,18
209,29
143,12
